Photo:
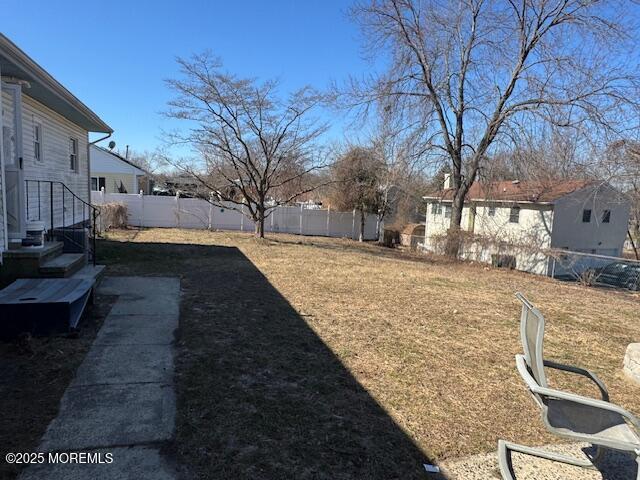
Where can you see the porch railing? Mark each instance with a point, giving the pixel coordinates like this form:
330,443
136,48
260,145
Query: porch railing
51,200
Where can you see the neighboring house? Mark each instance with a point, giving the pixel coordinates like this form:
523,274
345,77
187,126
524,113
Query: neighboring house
172,184
116,174
517,224
44,145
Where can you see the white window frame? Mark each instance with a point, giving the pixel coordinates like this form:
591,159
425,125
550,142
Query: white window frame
38,148
73,154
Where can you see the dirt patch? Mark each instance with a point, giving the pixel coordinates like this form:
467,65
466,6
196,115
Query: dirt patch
34,373
306,357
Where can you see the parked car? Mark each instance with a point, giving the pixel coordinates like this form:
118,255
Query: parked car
616,274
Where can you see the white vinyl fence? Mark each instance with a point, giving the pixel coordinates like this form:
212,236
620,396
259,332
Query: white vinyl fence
160,211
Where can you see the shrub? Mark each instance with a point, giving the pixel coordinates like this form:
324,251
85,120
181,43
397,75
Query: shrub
112,215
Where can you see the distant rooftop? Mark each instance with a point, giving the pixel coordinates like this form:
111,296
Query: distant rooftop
531,191
119,157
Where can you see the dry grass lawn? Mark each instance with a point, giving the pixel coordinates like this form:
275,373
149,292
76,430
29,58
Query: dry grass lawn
34,373
432,343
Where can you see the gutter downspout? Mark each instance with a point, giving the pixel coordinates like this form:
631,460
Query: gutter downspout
89,160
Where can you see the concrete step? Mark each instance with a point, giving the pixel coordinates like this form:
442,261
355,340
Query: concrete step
48,250
25,262
64,265
93,273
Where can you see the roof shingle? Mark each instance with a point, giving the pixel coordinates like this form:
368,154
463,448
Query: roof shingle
526,191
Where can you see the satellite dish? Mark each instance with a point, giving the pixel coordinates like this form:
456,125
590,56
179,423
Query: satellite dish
112,145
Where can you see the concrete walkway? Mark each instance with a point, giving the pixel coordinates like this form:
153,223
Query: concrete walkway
614,466
122,400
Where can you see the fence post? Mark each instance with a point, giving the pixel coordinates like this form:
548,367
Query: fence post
353,226
273,212
141,195
242,218
210,211
301,212
178,208
329,221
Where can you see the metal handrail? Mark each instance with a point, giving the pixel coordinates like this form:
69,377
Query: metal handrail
86,207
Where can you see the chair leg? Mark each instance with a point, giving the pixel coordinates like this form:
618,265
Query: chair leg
506,463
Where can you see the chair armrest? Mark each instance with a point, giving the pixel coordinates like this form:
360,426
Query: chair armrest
590,402
580,371
505,461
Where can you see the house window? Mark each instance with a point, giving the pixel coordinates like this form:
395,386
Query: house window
447,211
514,215
98,183
434,208
606,216
37,142
492,211
73,154
586,215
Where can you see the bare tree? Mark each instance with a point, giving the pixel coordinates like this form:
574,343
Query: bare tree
398,149
471,73
622,168
254,148
356,181
146,160
548,155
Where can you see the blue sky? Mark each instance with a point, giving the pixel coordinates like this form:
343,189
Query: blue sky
115,55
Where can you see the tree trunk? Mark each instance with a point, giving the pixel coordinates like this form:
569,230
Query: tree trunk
261,227
260,222
362,219
379,227
454,240
633,245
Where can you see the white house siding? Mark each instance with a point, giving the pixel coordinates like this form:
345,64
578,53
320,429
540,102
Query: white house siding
533,228
534,224
7,118
113,180
55,164
571,233
524,240
114,171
